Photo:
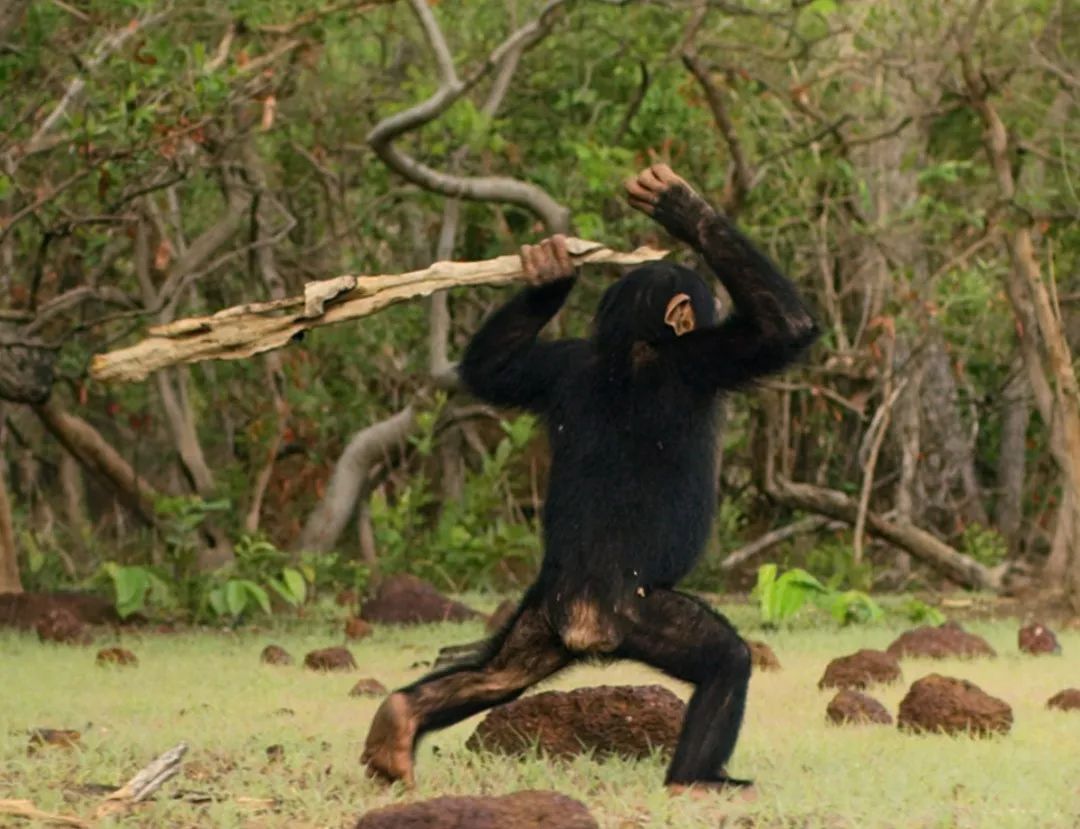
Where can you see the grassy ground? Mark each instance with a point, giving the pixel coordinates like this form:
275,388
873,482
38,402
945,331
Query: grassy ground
208,689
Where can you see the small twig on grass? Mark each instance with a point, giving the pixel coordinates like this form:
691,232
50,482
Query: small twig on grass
149,779
26,809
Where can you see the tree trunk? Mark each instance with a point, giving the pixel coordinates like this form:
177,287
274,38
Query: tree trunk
1012,457
908,433
958,567
327,521
95,454
1049,364
9,560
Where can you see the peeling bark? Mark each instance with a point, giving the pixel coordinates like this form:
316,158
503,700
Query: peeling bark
246,330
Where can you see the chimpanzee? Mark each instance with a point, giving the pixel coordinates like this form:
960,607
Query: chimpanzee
631,416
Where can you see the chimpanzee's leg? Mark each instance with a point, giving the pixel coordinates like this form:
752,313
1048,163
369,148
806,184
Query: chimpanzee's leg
685,638
526,651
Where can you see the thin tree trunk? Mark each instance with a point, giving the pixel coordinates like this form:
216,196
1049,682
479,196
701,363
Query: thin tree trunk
1050,369
9,560
92,450
1012,456
908,433
327,521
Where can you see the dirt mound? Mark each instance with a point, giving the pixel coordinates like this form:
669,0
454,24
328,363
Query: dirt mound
25,610
407,600
116,656
346,598
521,810
953,706
855,708
948,640
330,659
356,628
1037,638
762,657
275,655
61,625
625,720
501,615
368,687
1067,700
861,670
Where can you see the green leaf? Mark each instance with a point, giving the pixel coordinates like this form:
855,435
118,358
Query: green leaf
295,583
216,598
258,594
235,597
131,584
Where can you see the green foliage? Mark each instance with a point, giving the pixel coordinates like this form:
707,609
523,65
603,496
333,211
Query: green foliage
137,588
781,597
180,519
919,612
984,544
834,561
471,538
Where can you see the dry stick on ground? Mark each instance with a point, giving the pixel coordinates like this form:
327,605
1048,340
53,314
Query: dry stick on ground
245,330
149,779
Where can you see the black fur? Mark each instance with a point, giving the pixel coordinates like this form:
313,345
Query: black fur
631,415
630,412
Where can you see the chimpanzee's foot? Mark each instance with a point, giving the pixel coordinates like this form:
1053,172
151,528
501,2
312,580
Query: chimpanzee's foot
720,784
388,751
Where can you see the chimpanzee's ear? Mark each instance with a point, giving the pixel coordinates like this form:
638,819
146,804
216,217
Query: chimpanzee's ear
680,314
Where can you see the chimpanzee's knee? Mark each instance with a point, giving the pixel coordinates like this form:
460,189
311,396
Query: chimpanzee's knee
728,657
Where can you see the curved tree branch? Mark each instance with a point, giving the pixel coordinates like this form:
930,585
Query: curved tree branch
451,87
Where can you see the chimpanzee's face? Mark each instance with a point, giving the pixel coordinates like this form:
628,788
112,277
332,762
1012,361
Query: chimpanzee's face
656,302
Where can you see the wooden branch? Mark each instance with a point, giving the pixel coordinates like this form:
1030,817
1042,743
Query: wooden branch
480,188
151,778
742,178
95,453
765,542
27,810
148,780
245,330
326,522
922,545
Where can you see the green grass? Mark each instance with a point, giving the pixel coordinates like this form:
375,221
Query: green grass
208,689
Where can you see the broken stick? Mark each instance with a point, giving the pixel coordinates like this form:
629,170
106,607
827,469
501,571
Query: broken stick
246,330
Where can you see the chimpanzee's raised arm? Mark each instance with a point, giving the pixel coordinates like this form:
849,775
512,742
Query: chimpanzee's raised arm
505,363
769,327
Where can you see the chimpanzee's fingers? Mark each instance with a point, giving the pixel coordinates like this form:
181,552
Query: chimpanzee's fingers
542,253
646,207
527,264
545,260
562,255
651,181
636,190
666,175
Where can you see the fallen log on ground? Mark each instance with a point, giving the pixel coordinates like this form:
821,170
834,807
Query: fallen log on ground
246,330
960,568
